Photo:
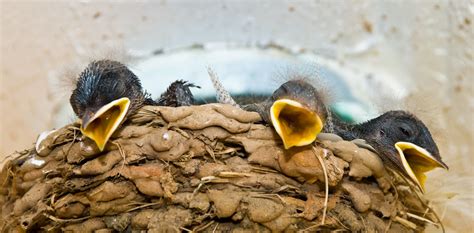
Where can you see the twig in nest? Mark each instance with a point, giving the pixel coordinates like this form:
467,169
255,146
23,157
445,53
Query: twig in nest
73,140
215,228
210,152
263,170
227,151
340,223
286,187
204,180
5,159
54,143
23,153
309,228
394,208
424,204
11,173
426,212
443,213
436,216
363,221
66,220
203,227
270,196
326,184
52,200
388,225
233,174
405,222
185,229
182,132
143,206
421,218
121,153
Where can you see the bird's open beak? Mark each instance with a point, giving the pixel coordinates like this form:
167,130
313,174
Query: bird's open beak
417,161
101,125
296,124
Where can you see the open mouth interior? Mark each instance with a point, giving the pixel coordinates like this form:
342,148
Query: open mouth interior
105,121
416,162
296,125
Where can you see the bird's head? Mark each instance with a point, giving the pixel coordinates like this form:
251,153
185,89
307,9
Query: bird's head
406,142
297,113
103,97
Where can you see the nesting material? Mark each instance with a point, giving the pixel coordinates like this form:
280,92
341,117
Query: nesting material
209,168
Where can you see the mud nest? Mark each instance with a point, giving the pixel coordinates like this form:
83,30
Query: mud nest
209,168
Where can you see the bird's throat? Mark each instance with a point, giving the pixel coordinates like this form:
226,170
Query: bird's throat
105,121
296,125
416,162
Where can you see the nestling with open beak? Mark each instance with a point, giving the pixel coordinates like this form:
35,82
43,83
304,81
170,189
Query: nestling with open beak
296,110
106,93
402,141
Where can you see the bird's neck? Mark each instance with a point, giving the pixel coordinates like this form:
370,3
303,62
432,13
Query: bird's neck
354,131
262,108
341,128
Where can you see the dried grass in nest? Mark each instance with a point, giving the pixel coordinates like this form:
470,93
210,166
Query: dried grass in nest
209,168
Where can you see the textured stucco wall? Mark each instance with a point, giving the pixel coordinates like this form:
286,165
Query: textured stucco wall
428,44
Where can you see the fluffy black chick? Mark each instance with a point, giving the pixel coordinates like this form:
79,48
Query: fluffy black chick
401,139
106,93
296,110
178,94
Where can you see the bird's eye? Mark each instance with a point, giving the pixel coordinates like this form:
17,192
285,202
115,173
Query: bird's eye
405,131
382,132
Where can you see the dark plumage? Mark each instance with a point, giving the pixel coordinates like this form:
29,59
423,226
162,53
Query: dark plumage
296,110
298,90
384,132
177,94
106,93
387,129
102,82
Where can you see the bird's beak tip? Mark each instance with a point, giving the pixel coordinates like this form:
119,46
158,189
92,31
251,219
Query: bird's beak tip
444,165
296,125
101,146
287,145
416,161
86,119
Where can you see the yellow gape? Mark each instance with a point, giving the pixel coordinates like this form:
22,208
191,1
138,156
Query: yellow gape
296,124
416,162
105,121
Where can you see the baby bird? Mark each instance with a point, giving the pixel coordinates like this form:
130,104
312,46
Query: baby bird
106,93
402,141
296,110
178,94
